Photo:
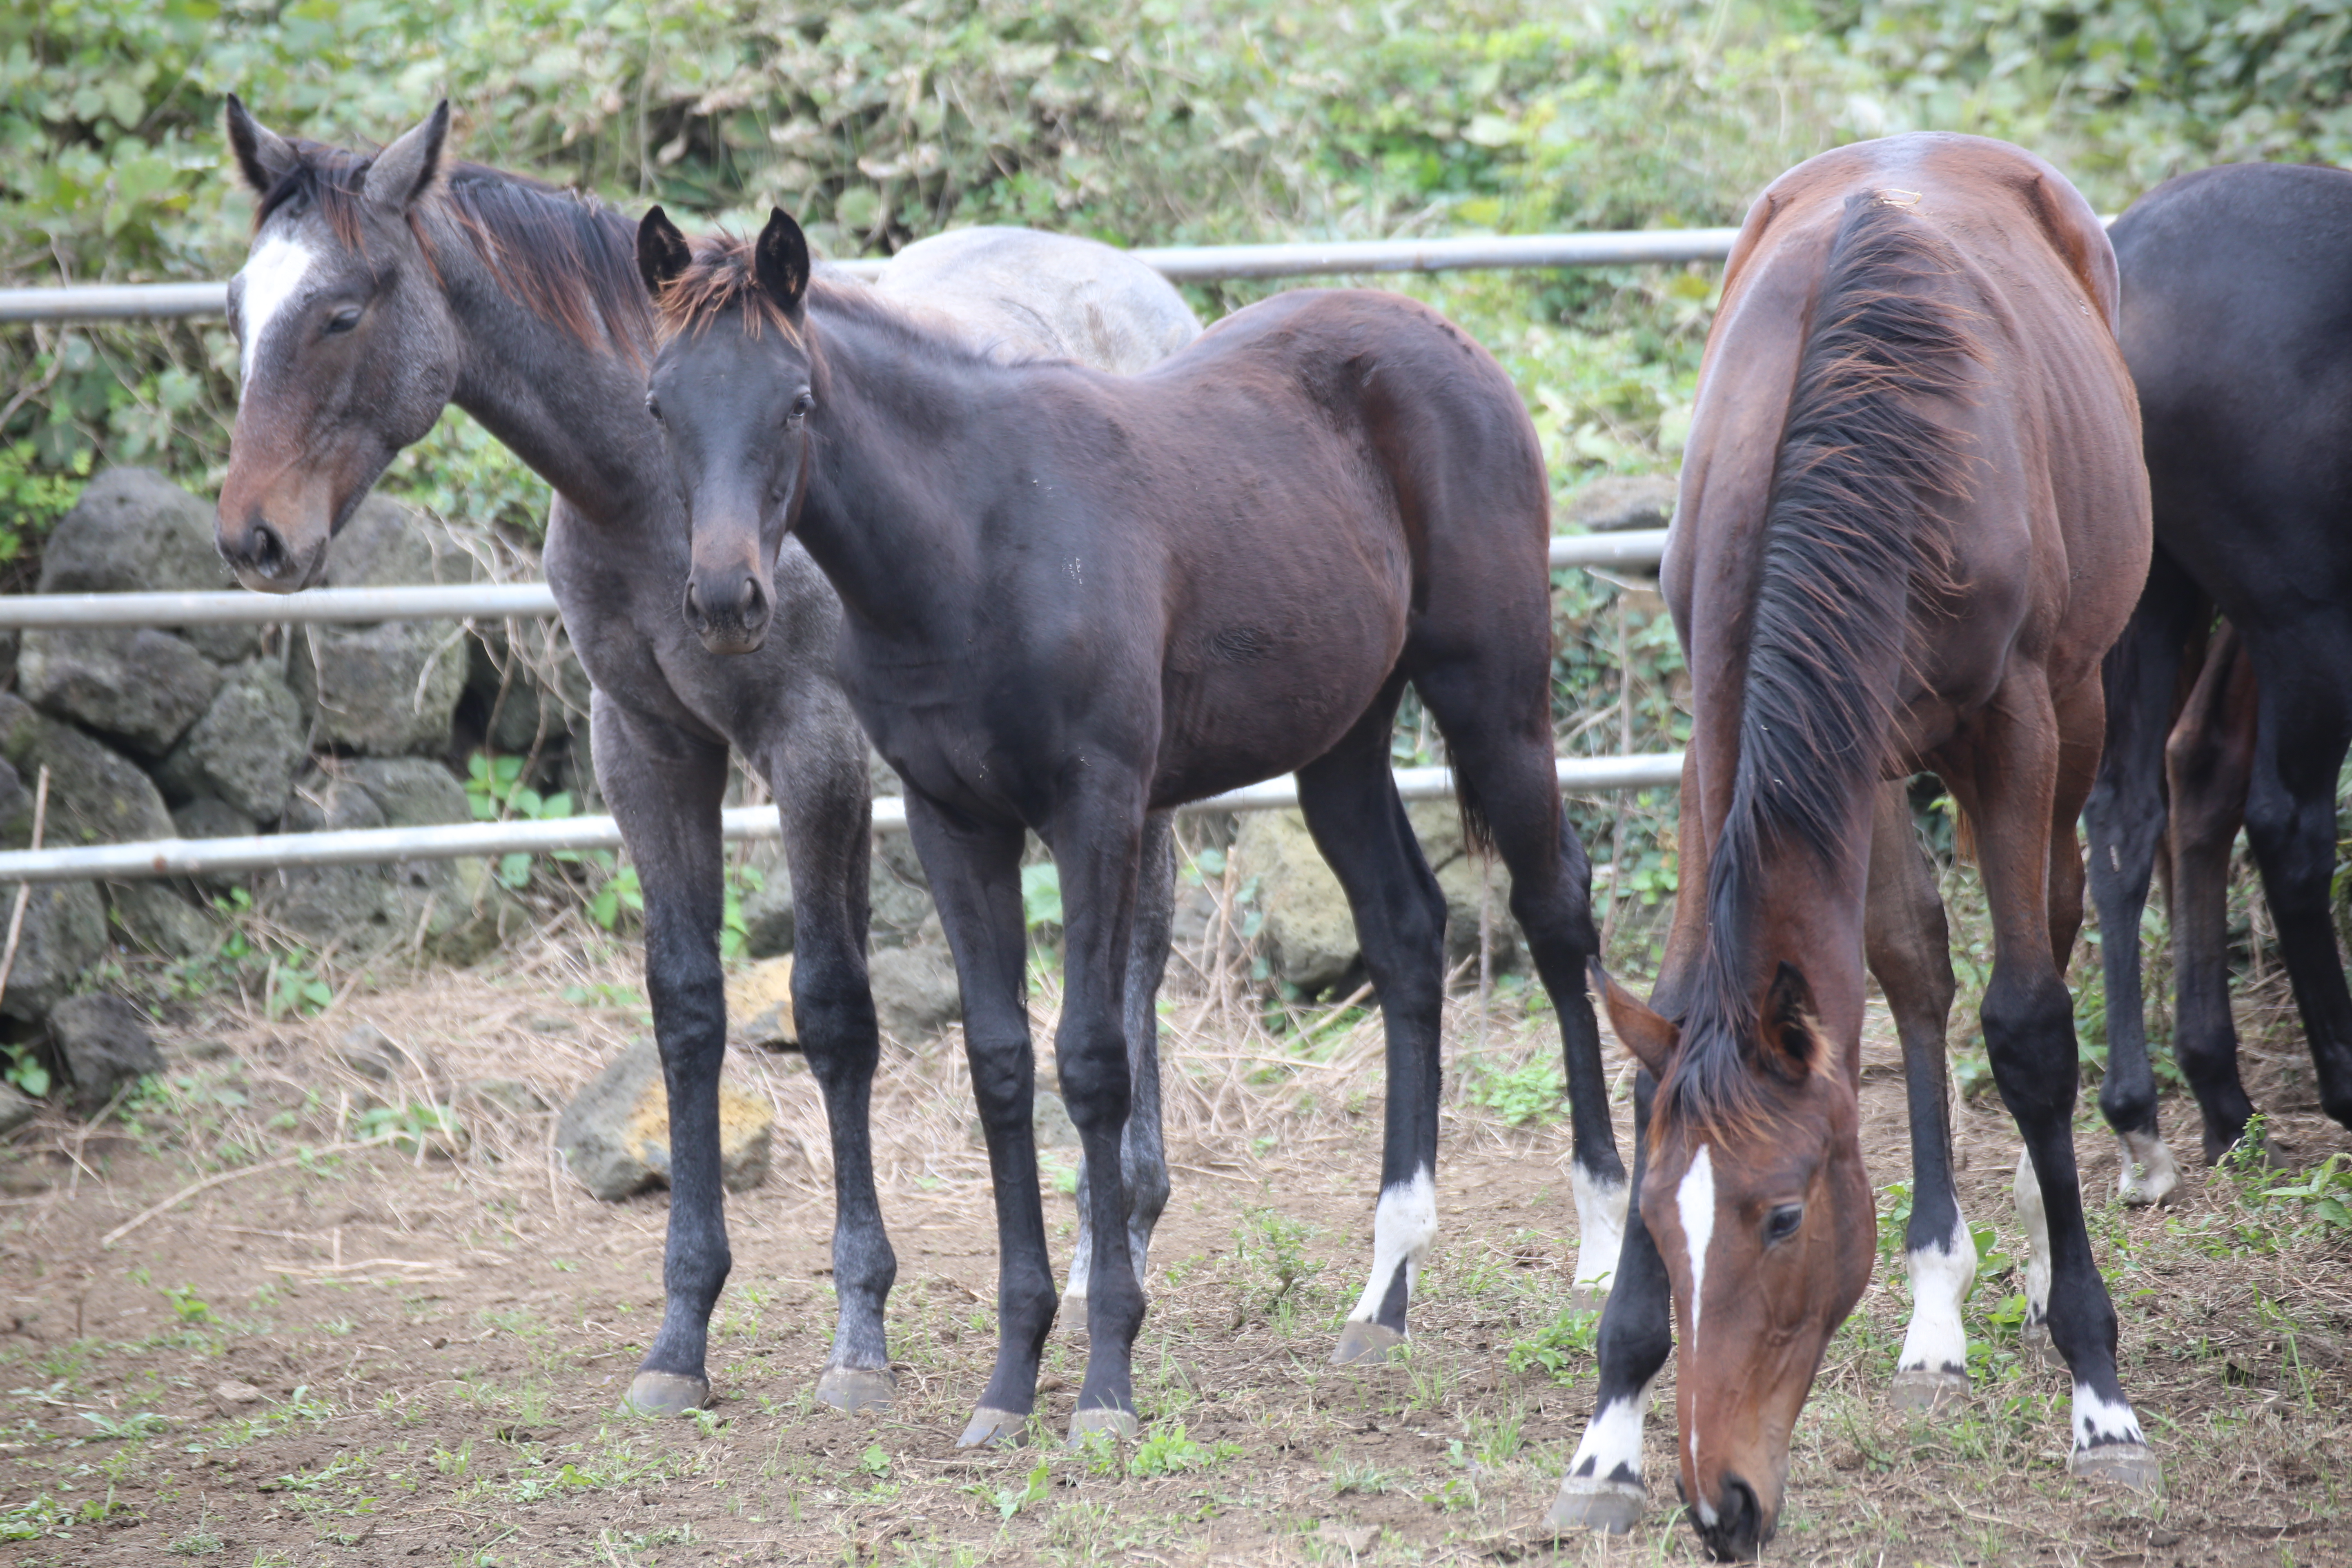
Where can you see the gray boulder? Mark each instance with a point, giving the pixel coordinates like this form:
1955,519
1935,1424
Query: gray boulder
208,818
915,990
389,689
246,748
768,921
143,686
411,792
614,1135
133,532
897,893
96,796
155,917
105,1046
17,1108
64,933
1615,503
461,912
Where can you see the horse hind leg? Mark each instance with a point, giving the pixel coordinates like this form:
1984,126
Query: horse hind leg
1350,800
1143,1156
1909,951
1504,764
2209,762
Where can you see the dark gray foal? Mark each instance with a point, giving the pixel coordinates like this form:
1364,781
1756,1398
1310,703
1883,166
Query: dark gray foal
380,290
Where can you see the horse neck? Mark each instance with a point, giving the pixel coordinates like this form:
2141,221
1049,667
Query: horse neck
899,435
1773,897
572,409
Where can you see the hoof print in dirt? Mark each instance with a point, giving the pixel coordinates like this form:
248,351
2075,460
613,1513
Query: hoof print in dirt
857,1388
667,1394
104,1044
614,1135
1363,1341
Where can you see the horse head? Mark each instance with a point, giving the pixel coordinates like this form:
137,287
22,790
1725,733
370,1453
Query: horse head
346,349
1755,1193
732,388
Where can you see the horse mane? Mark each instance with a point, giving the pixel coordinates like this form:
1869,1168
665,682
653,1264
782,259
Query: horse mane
562,255
1851,541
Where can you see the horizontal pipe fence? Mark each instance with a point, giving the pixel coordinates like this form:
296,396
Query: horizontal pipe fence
1181,263
1636,550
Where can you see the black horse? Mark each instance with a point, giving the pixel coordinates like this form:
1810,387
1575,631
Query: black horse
1072,599
2240,340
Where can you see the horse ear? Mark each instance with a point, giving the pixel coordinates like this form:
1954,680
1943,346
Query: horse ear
782,261
1649,1037
263,156
1792,1031
407,170
662,251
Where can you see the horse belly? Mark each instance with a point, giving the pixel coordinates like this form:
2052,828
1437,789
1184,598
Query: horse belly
1252,700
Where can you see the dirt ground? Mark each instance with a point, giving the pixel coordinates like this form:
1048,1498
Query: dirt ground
413,1353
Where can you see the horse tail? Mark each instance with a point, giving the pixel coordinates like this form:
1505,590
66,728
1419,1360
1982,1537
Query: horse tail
1852,541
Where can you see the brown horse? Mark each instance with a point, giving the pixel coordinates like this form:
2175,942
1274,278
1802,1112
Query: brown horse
1913,517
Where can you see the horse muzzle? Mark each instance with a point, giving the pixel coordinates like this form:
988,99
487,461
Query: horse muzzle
264,558
1733,1526
728,610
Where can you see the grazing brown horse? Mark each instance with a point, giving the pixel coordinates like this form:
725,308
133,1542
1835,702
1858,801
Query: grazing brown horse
1913,517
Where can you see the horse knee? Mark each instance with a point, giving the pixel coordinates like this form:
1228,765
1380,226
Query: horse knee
1096,1085
2029,1030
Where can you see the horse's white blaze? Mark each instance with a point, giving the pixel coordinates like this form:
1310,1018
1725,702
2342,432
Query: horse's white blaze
271,277
1600,1227
1612,1441
1695,1204
1403,1227
1940,1278
2029,1215
2149,1175
2098,1419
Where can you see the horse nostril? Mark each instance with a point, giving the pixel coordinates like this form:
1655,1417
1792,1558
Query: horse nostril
267,550
755,604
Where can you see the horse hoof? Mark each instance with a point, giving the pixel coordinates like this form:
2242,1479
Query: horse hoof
2146,1174
1119,1423
1613,1507
2034,1340
993,1428
1362,1341
857,1388
1927,1392
667,1394
2129,1465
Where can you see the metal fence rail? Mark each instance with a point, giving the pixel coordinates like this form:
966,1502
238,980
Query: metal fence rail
270,852
1633,550
1181,263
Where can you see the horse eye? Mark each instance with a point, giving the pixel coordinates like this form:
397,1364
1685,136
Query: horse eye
801,405
653,407
343,321
1782,1223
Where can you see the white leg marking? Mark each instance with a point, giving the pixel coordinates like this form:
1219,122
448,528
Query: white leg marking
2037,1236
1600,1227
1613,1440
2100,1420
1940,1278
2149,1175
1082,1263
1403,1227
270,276
1695,1204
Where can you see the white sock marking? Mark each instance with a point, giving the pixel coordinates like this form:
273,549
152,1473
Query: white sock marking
1403,1227
271,276
2030,1214
1940,1278
1694,1203
1600,1227
1082,1263
1613,1440
2149,1175
2098,1420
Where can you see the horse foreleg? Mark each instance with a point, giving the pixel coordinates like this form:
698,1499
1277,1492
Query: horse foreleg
2208,763
2024,794
1098,842
1144,1157
665,788
1910,952
2126,818
974,869
821,788
1602,1489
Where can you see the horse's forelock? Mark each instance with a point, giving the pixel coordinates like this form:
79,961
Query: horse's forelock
722,275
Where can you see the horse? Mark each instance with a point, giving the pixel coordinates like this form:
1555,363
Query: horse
1913,517
2231,330
379,289
1071,599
